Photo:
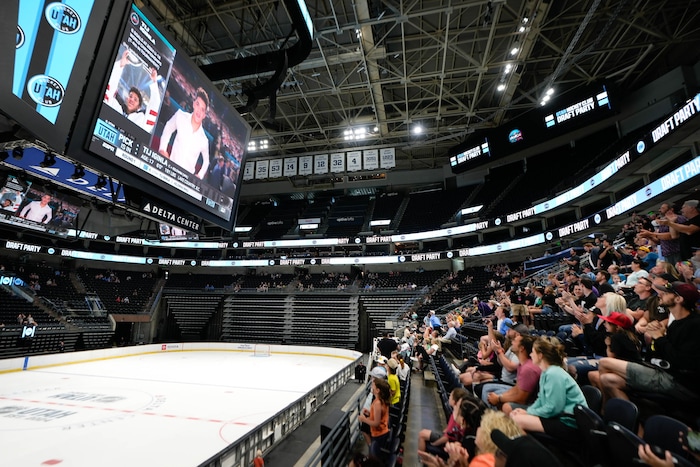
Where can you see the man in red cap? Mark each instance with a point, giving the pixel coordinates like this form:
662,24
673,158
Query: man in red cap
675,347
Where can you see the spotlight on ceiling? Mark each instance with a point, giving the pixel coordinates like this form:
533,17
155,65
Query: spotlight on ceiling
78,173
49,160
101,182
18,152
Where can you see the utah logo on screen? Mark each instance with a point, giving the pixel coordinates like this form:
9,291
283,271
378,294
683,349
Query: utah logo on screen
62,18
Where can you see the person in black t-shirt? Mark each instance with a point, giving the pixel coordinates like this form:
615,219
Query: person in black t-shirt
678,372
386,345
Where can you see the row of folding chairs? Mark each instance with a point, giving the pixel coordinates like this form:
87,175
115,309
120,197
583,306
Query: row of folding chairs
614,444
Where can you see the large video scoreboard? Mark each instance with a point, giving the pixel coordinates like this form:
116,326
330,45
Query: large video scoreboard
101,82
161,119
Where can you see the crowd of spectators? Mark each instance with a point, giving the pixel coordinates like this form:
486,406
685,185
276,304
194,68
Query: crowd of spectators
628,315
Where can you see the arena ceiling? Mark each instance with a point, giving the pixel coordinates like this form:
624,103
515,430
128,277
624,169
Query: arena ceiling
389,65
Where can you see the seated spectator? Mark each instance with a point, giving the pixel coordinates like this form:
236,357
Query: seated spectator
506,359
637,267
581,298
507,397
620,340
603,282
485,447
688,273
487,365
552,411
638,302
450,334
673,345
538,305
664,267
502,319
646,255
431,346
614,270
589,336
453,431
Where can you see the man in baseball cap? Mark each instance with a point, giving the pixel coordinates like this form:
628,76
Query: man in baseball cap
678,374
378,372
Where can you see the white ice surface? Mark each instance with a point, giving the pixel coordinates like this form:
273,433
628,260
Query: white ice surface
170,409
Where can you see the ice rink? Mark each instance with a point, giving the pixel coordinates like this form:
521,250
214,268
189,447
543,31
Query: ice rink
155,409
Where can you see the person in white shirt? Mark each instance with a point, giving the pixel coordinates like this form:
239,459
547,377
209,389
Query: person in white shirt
190,140
638,271
38,211
131,105
450,334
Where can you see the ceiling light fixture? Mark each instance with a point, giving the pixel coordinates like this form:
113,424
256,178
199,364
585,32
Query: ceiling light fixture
78,173
49,160
18,152
101,182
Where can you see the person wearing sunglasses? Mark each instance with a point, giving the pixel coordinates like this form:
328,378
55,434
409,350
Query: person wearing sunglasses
678,372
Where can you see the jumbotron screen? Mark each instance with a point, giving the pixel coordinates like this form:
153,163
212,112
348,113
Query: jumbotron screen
32,208
161,119
44,69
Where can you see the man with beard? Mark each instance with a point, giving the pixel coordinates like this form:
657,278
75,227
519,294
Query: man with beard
678,372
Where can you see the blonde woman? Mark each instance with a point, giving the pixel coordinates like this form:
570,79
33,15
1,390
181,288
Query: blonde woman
485,447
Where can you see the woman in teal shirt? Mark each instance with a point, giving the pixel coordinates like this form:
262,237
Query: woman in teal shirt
552,412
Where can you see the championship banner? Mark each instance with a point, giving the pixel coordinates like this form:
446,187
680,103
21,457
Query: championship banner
262,169
371,159
290,166
275,168
354,161
306,165
388,158
338,162
321,164
249,171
